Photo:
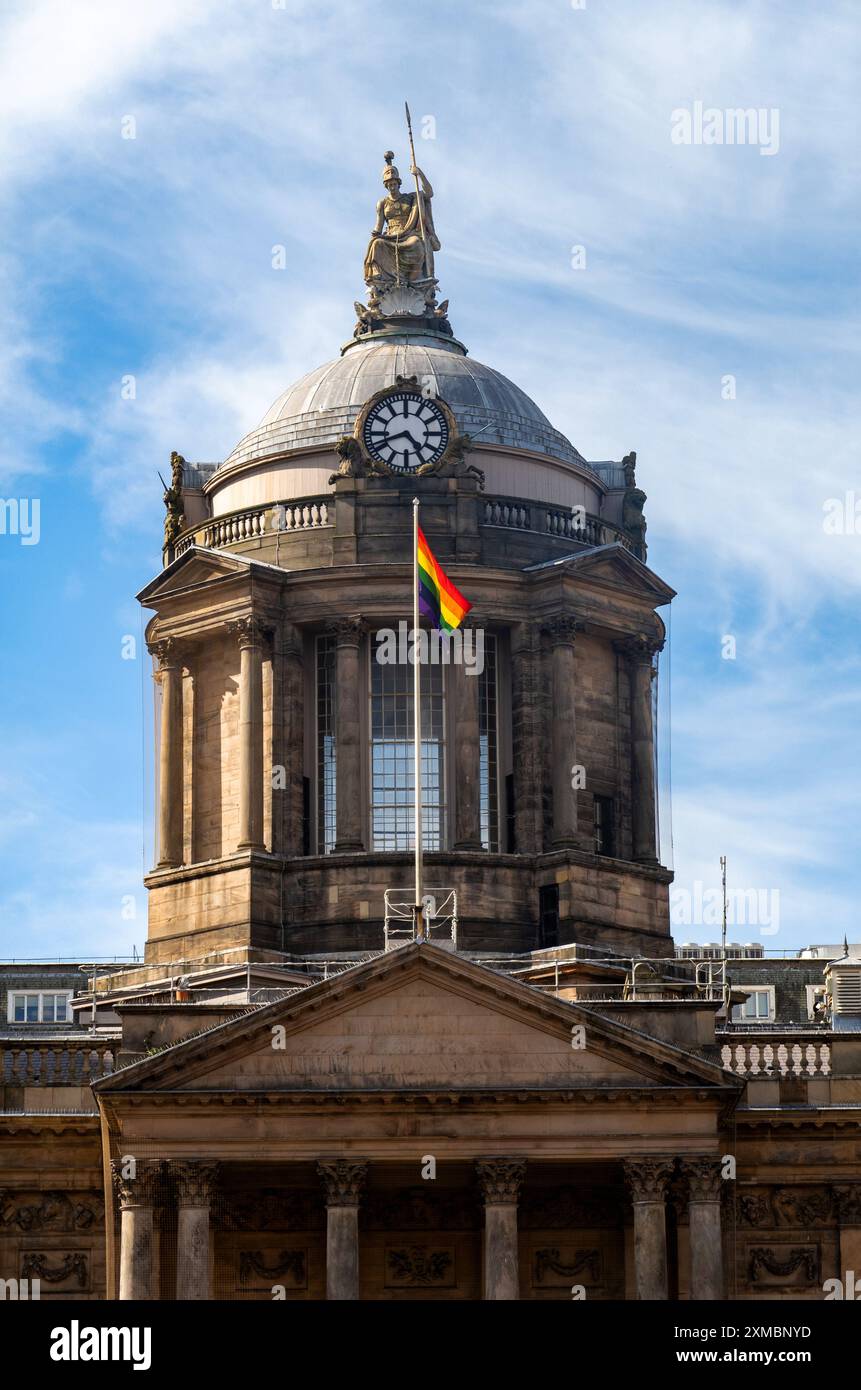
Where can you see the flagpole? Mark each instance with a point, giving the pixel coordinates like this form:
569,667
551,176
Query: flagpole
418,933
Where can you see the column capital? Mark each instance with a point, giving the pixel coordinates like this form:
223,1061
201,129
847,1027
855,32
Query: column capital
348,630
500,1179
169,652
195,1181
703,1178
639,649
249,631
343,1180
847,1199
563,629
143,1189
647,1178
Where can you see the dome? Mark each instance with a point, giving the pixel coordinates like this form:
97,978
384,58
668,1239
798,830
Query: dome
323,405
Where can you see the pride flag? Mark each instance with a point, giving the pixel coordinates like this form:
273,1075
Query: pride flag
439,600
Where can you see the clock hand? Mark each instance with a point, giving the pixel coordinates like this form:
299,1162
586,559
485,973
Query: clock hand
402,434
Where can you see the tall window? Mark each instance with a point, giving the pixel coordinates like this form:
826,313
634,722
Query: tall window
604,825
325,691
392,767
488,726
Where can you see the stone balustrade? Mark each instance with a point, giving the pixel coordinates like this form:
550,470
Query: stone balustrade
234,528
564,522
776,1057
59,1064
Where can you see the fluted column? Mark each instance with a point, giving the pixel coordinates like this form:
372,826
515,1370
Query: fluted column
647,1180
467,757
195,1182
348,736
343,1180
640,653
562,632
250,637
500,1180
137,1197
704,1217
170,789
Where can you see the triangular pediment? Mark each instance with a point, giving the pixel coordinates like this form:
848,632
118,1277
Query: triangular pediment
199,566
418,1018
611,565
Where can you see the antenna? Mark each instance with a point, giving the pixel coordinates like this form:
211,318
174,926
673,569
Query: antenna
723,919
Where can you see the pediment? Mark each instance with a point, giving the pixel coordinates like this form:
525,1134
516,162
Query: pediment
418,1018
198,566
612,565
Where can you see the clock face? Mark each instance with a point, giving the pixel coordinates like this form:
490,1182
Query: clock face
405,430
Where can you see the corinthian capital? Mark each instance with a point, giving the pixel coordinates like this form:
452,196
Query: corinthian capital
248,631
195,1181
347,631
137,1183
639,649
343,1180
500,1179
562,630
169,651
647,1178
704,1179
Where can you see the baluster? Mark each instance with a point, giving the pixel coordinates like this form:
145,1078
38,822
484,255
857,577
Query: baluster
726,1057
754,1060
768,1057
810,1053
796,1060
741,1060
782,1055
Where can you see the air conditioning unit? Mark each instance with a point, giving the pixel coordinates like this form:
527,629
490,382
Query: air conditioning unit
843,986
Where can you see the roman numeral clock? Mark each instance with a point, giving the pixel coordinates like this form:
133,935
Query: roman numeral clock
406,431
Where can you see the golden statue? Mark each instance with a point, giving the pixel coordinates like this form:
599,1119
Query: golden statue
403,241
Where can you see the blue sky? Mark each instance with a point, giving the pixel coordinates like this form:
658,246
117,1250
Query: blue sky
259,125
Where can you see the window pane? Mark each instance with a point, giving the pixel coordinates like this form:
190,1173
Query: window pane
488,747
32,1008
392,761
62,1008
762,1004
326,748
20,1006
48,1008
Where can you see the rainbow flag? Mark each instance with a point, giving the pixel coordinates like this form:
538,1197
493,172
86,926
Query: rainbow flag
439,600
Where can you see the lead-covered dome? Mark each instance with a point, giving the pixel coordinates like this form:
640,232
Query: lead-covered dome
323,405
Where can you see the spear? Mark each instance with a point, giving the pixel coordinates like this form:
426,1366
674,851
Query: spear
428,269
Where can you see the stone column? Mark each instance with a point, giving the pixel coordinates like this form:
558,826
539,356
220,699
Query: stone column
250,637
195,1182
343,1179
500,1180
467,758
704,1217
349,750
527,700
562,632
137,1197
647,1180
170,754
640,653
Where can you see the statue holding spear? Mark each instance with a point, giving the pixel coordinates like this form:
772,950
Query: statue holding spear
403,241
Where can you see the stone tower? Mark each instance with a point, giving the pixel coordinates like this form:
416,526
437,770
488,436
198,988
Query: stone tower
285,758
